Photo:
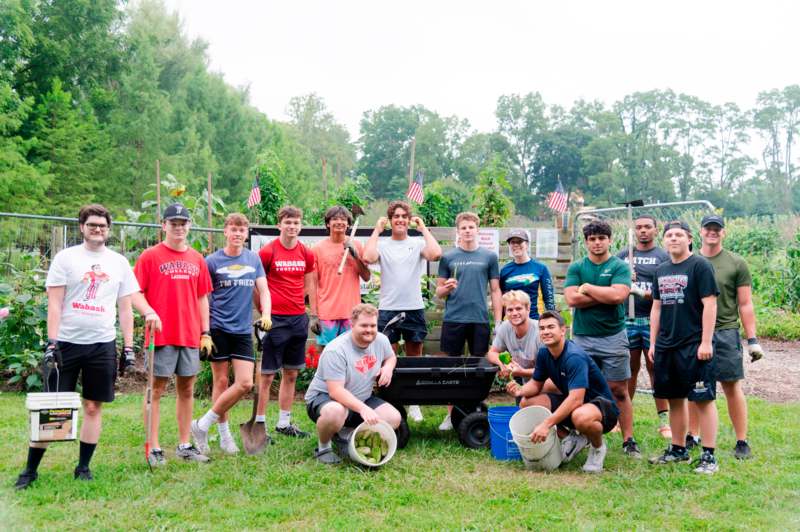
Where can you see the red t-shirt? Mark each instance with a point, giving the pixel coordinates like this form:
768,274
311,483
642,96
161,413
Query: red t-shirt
286,270
172,281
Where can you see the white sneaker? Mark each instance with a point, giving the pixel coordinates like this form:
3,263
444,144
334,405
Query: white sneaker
228,445
572,444
595,459
446,423
415,413
200,437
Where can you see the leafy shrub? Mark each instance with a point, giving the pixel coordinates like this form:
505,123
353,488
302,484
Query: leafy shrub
751,236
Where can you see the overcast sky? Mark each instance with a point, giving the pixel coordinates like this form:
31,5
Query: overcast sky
457,57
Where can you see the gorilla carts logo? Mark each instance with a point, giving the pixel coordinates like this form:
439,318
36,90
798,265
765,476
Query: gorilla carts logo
366,363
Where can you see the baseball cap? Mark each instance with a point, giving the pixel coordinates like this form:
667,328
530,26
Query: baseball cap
677,224
522,234
176,211
712,219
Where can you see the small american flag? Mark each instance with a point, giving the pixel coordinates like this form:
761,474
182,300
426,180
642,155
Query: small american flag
557,200
415,189
255,195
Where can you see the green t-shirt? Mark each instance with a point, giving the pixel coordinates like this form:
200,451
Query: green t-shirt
731,272
600,319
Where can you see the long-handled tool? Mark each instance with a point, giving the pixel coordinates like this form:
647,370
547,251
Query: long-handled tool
150,334
357,212
254,434
630,205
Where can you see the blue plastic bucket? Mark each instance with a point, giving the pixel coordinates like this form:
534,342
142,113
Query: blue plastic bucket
502,442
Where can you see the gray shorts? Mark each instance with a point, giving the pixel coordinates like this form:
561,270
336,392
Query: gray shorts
610,353
728,355
177,360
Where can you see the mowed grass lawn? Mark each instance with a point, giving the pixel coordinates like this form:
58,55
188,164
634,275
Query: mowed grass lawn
432,484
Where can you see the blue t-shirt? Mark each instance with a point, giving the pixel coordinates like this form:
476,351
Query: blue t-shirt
574,369
529,277
234,280
472,270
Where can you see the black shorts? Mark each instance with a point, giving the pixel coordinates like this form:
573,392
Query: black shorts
455,335
230,345
679,374
284,346
96,364
608,411
413,329
354,419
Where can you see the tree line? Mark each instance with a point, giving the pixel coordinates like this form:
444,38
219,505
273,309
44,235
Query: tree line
93,92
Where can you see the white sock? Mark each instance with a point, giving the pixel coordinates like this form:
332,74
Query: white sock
224,429
261,419
284,418
207,420
323,446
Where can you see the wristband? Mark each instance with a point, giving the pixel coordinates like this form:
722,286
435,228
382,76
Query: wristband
52,341
752,341
205,333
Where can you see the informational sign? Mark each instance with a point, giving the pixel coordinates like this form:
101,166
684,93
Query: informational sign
547,243
487,239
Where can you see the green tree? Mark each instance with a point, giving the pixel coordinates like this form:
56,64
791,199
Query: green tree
271,173
490,200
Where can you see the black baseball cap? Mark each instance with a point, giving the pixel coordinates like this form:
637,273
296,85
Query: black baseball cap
712,219
522,234
176,211
677,224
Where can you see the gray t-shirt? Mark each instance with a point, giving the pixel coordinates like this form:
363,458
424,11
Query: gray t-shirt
644,264
523,350
342,360
473,269
402,266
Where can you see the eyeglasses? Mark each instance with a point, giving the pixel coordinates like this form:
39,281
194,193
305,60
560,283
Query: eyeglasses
102,227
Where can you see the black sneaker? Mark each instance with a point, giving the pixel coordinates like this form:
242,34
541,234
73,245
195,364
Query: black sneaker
631,449
292,430
83,473
670,456
742,451
327,456
707,464
692,442
25,479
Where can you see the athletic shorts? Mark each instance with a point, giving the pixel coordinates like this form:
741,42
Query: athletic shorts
331,329
96,364
679,374
610,353
284,346
474,335
638,331
413,329
608,411
230,345
177,360
728,355
354,419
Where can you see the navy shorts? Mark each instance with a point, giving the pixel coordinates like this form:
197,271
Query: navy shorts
230,345
413,329
354,419
638,334
474,335
608,411
95,363
284,346
679,374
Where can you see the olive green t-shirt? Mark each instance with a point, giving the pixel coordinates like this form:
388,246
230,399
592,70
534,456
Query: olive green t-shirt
731,272
600,319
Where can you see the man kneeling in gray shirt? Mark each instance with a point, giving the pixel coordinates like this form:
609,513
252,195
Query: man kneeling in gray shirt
340,394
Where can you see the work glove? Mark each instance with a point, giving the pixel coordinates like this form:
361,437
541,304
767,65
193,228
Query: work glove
264,323
127,358
207,347
351,249
635,290
754,349
314,324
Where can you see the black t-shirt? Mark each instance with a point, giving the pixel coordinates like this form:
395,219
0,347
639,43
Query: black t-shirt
644,264
681,288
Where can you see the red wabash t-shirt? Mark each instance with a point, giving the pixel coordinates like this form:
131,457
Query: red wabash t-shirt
172,281
286,270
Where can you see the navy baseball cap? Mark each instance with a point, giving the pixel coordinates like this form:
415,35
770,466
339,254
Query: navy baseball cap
677,224
712,219
176,211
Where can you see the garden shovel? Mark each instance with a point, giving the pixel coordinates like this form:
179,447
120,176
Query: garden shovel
630,205
254,433
357,212
150,334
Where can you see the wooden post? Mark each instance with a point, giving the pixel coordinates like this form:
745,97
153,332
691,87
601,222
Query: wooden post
158,196
210,234
325,179
411,166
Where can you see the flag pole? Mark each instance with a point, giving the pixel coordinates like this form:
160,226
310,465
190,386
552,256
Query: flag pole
411,166
158,196
210,234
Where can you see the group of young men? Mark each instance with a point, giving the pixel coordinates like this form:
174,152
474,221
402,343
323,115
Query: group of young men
202,308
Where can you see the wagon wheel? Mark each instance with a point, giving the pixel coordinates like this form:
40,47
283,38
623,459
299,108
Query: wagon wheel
473,432
459,412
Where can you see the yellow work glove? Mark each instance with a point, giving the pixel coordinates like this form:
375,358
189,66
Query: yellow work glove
264,323
207,347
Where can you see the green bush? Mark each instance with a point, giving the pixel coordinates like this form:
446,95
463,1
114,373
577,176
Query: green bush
777,324
751,236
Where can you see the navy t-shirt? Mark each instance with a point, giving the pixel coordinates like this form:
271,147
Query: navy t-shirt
574,369
644,264
234,279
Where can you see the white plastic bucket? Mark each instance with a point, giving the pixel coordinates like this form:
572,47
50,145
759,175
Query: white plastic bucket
387,434
545,455
53,415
